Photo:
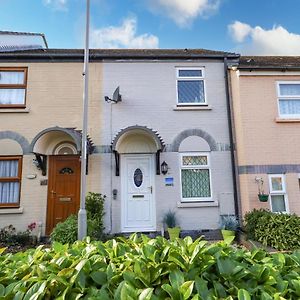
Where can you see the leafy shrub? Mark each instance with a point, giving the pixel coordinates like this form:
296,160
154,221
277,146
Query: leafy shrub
143,268
95,213
66,232
280,231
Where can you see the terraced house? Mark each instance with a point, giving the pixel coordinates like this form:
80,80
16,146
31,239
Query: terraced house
266,102
159,137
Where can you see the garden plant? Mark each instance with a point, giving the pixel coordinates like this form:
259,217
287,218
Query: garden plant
141,268
279,231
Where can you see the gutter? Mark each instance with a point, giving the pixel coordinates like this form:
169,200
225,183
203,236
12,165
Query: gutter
49,55
269,68
232,141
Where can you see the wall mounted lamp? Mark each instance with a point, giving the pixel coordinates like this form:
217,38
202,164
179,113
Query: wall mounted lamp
164,168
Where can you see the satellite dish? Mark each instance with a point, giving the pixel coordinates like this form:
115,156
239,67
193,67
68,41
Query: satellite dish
117,97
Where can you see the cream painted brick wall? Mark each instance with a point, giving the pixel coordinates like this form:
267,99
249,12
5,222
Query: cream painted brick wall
54,97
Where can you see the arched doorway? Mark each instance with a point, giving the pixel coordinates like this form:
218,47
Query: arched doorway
137,150
58,151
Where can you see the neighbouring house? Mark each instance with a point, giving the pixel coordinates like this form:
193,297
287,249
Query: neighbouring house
266,105
159,142
40,137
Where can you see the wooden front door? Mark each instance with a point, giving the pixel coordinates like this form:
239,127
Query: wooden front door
63,189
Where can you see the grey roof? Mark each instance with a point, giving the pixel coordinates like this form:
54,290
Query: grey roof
100,54
269,62
13,41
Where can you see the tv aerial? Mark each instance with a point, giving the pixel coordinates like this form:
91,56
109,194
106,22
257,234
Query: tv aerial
116,97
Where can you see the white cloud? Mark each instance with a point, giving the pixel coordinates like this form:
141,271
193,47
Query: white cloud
183,12
56,4
259,41
123,36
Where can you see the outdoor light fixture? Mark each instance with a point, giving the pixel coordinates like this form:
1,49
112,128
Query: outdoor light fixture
164,168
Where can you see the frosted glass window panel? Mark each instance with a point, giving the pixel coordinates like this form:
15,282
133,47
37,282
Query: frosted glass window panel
278,203
12,96
190,73
290,89
9,168
9,192
191,91
289,106
12,77
277,184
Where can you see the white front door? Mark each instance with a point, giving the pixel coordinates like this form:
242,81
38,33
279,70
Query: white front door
138,207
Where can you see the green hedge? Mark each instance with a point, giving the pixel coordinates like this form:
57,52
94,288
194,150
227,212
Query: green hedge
66,232
143,268
280,231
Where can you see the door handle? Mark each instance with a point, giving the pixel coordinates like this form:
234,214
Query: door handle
53,193
151,188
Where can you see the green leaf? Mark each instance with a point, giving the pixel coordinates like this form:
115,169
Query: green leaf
176,278
99,277
219,289
201,287
173,292
243,295
146,294
186,289
2,290
35,291
128,292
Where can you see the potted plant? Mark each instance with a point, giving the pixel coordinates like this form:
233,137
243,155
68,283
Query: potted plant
170,221
229,226
262,197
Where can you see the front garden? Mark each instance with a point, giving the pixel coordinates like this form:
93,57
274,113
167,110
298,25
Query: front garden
143,268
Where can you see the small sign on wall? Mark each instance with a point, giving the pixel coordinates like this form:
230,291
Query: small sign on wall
169,181
44,182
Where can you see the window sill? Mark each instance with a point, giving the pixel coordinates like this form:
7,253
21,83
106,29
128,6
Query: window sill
198,204
9,211
281,120
14,110
192,107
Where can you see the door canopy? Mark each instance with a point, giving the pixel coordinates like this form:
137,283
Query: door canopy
137,139
46,141
53,141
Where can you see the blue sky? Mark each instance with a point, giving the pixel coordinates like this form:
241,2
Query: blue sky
246,26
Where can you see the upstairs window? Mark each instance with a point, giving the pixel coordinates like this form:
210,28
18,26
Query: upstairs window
195,177
13,87
279,203
289,99
190,86
10,181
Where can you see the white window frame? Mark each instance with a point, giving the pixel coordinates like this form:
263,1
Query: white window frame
193,78
289,97
278,192
205,167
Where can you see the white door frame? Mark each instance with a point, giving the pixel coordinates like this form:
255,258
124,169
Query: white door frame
124,192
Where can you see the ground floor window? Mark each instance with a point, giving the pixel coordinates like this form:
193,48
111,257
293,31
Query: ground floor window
195,177
278,196
10,180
